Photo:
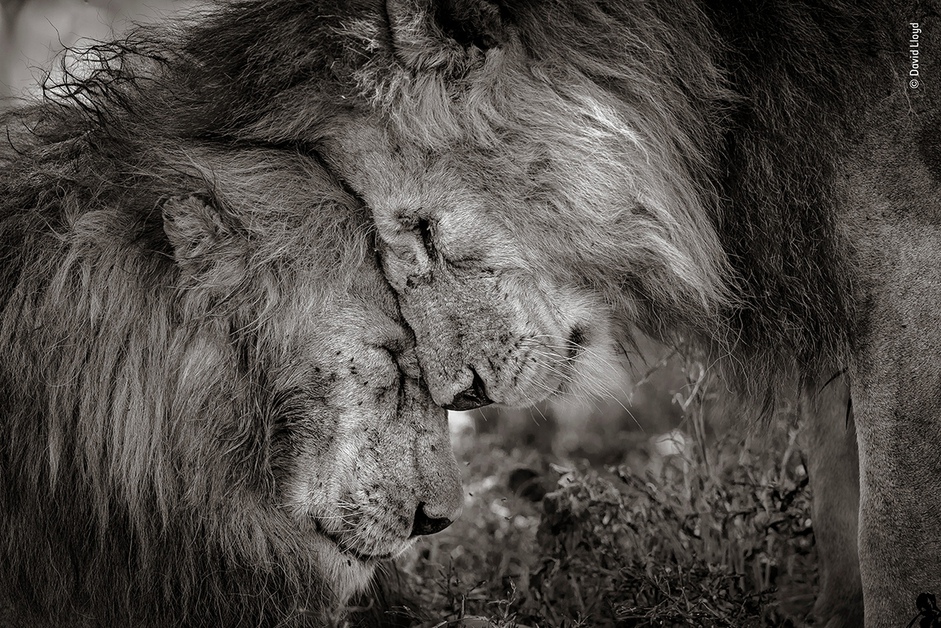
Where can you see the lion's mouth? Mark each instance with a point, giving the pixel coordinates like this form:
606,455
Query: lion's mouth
344,548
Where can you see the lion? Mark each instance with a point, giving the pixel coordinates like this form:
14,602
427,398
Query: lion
212,412
546,177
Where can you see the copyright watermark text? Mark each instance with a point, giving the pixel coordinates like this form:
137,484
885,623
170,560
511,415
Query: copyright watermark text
914,55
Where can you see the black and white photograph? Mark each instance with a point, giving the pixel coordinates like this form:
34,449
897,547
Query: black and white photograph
470,313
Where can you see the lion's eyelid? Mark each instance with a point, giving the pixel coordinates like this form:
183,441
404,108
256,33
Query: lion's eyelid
426,232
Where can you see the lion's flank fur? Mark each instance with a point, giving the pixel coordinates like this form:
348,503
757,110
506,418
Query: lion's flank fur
130,496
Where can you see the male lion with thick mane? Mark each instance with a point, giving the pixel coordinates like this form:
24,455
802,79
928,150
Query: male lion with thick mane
760,177
212,414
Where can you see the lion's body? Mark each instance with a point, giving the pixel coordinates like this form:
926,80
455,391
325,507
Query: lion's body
208,414
546,175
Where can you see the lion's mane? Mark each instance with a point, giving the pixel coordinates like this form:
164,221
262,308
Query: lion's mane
129,493
689,108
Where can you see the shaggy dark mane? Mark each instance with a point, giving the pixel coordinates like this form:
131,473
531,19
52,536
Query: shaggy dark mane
97,329
762,96
779,165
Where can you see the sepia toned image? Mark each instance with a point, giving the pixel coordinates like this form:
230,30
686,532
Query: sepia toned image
470,313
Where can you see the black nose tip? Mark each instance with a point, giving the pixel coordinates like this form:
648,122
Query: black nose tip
474,397
428,525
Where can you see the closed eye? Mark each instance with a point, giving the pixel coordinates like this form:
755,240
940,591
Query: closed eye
394,343
400,349
425,231
470,263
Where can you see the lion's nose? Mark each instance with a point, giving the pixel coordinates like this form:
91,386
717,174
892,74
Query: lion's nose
474,397
425,524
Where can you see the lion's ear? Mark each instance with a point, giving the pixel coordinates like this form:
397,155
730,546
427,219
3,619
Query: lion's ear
198,232
471,22
423,30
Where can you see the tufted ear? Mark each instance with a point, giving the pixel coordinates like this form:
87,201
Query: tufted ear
425,31
200,234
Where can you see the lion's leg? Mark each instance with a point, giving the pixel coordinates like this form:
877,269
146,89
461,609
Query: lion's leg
898,419
896,389
828,439
892,228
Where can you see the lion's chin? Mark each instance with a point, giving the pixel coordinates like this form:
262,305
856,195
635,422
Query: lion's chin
366,558
348,574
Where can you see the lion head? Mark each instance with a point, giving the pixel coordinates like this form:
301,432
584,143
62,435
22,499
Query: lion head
212,410
531,203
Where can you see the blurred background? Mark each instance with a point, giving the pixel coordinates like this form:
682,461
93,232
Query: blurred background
32,32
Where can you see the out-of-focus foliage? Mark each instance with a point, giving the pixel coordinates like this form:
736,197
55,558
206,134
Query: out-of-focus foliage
713,531
606,547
